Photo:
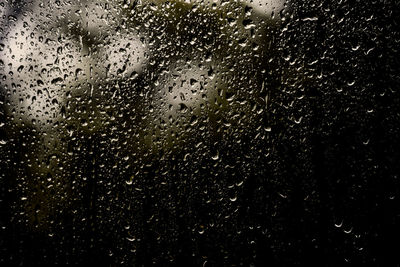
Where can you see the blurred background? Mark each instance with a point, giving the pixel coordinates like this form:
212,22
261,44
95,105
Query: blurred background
199,133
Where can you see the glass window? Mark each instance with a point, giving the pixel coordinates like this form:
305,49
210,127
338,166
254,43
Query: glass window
199,133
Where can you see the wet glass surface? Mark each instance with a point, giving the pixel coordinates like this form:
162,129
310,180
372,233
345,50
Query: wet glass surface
199,133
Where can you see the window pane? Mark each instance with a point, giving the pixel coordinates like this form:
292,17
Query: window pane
199,133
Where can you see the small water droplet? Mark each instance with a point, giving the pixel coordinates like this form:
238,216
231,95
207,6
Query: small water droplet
216,156
338,225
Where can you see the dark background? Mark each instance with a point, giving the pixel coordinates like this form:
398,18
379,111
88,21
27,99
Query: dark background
326,194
